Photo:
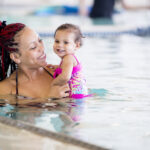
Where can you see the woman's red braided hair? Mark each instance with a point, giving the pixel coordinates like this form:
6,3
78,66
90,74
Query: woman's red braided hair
7,34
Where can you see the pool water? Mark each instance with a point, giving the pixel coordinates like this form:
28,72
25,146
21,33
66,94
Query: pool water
118,115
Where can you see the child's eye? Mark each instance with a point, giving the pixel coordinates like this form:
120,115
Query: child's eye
56,41
65,42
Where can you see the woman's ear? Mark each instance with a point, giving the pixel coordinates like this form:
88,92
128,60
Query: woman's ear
15,57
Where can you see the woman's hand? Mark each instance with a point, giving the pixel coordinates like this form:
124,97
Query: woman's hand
59,91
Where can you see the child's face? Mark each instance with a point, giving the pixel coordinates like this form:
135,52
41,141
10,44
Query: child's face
65,43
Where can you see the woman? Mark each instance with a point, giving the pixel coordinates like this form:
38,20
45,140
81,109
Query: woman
22,56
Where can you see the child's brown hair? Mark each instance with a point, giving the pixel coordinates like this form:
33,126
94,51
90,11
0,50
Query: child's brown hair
72,28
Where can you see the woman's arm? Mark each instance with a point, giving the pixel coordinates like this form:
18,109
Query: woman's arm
54,92
67,66
83,10
144,5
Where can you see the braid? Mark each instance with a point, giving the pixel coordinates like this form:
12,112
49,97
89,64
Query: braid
7,43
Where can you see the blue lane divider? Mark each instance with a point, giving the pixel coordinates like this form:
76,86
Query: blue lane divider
57,10
139,31
53,10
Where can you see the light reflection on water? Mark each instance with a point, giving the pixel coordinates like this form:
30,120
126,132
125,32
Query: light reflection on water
118,72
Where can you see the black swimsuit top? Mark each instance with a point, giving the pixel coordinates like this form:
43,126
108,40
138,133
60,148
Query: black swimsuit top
17,93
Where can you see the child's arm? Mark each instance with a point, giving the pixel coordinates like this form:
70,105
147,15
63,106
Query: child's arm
67,66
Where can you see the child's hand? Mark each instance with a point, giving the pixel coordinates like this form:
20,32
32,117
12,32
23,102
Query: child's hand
52,66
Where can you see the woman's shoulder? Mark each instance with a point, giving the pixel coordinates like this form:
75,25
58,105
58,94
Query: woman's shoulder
6,86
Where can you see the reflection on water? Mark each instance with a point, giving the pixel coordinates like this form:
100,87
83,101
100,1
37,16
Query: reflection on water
55,115
117,116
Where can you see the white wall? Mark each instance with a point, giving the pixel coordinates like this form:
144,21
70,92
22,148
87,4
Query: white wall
43,2
137,2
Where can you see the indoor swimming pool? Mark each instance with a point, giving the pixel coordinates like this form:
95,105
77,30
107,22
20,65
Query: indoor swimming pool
118,73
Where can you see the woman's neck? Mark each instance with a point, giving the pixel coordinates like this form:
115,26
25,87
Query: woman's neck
30,74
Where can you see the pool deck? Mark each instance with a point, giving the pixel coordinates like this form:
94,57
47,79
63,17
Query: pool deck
18,135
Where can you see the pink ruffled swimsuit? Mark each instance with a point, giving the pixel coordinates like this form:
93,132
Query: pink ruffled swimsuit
77,82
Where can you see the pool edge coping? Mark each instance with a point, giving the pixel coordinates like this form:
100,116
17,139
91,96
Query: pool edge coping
49,134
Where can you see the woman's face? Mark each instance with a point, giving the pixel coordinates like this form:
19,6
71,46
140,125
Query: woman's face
31,49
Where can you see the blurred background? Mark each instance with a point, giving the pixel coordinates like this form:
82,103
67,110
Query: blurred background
48,14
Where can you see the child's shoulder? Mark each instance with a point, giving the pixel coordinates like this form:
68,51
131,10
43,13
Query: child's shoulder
71,58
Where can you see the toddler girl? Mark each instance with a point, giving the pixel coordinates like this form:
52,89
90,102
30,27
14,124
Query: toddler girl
68,39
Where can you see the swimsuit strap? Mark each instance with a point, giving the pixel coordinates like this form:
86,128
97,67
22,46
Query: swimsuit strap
17,93
17,82
60,63
75,58
48,72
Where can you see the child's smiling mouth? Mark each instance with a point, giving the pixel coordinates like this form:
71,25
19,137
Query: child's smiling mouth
60,50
